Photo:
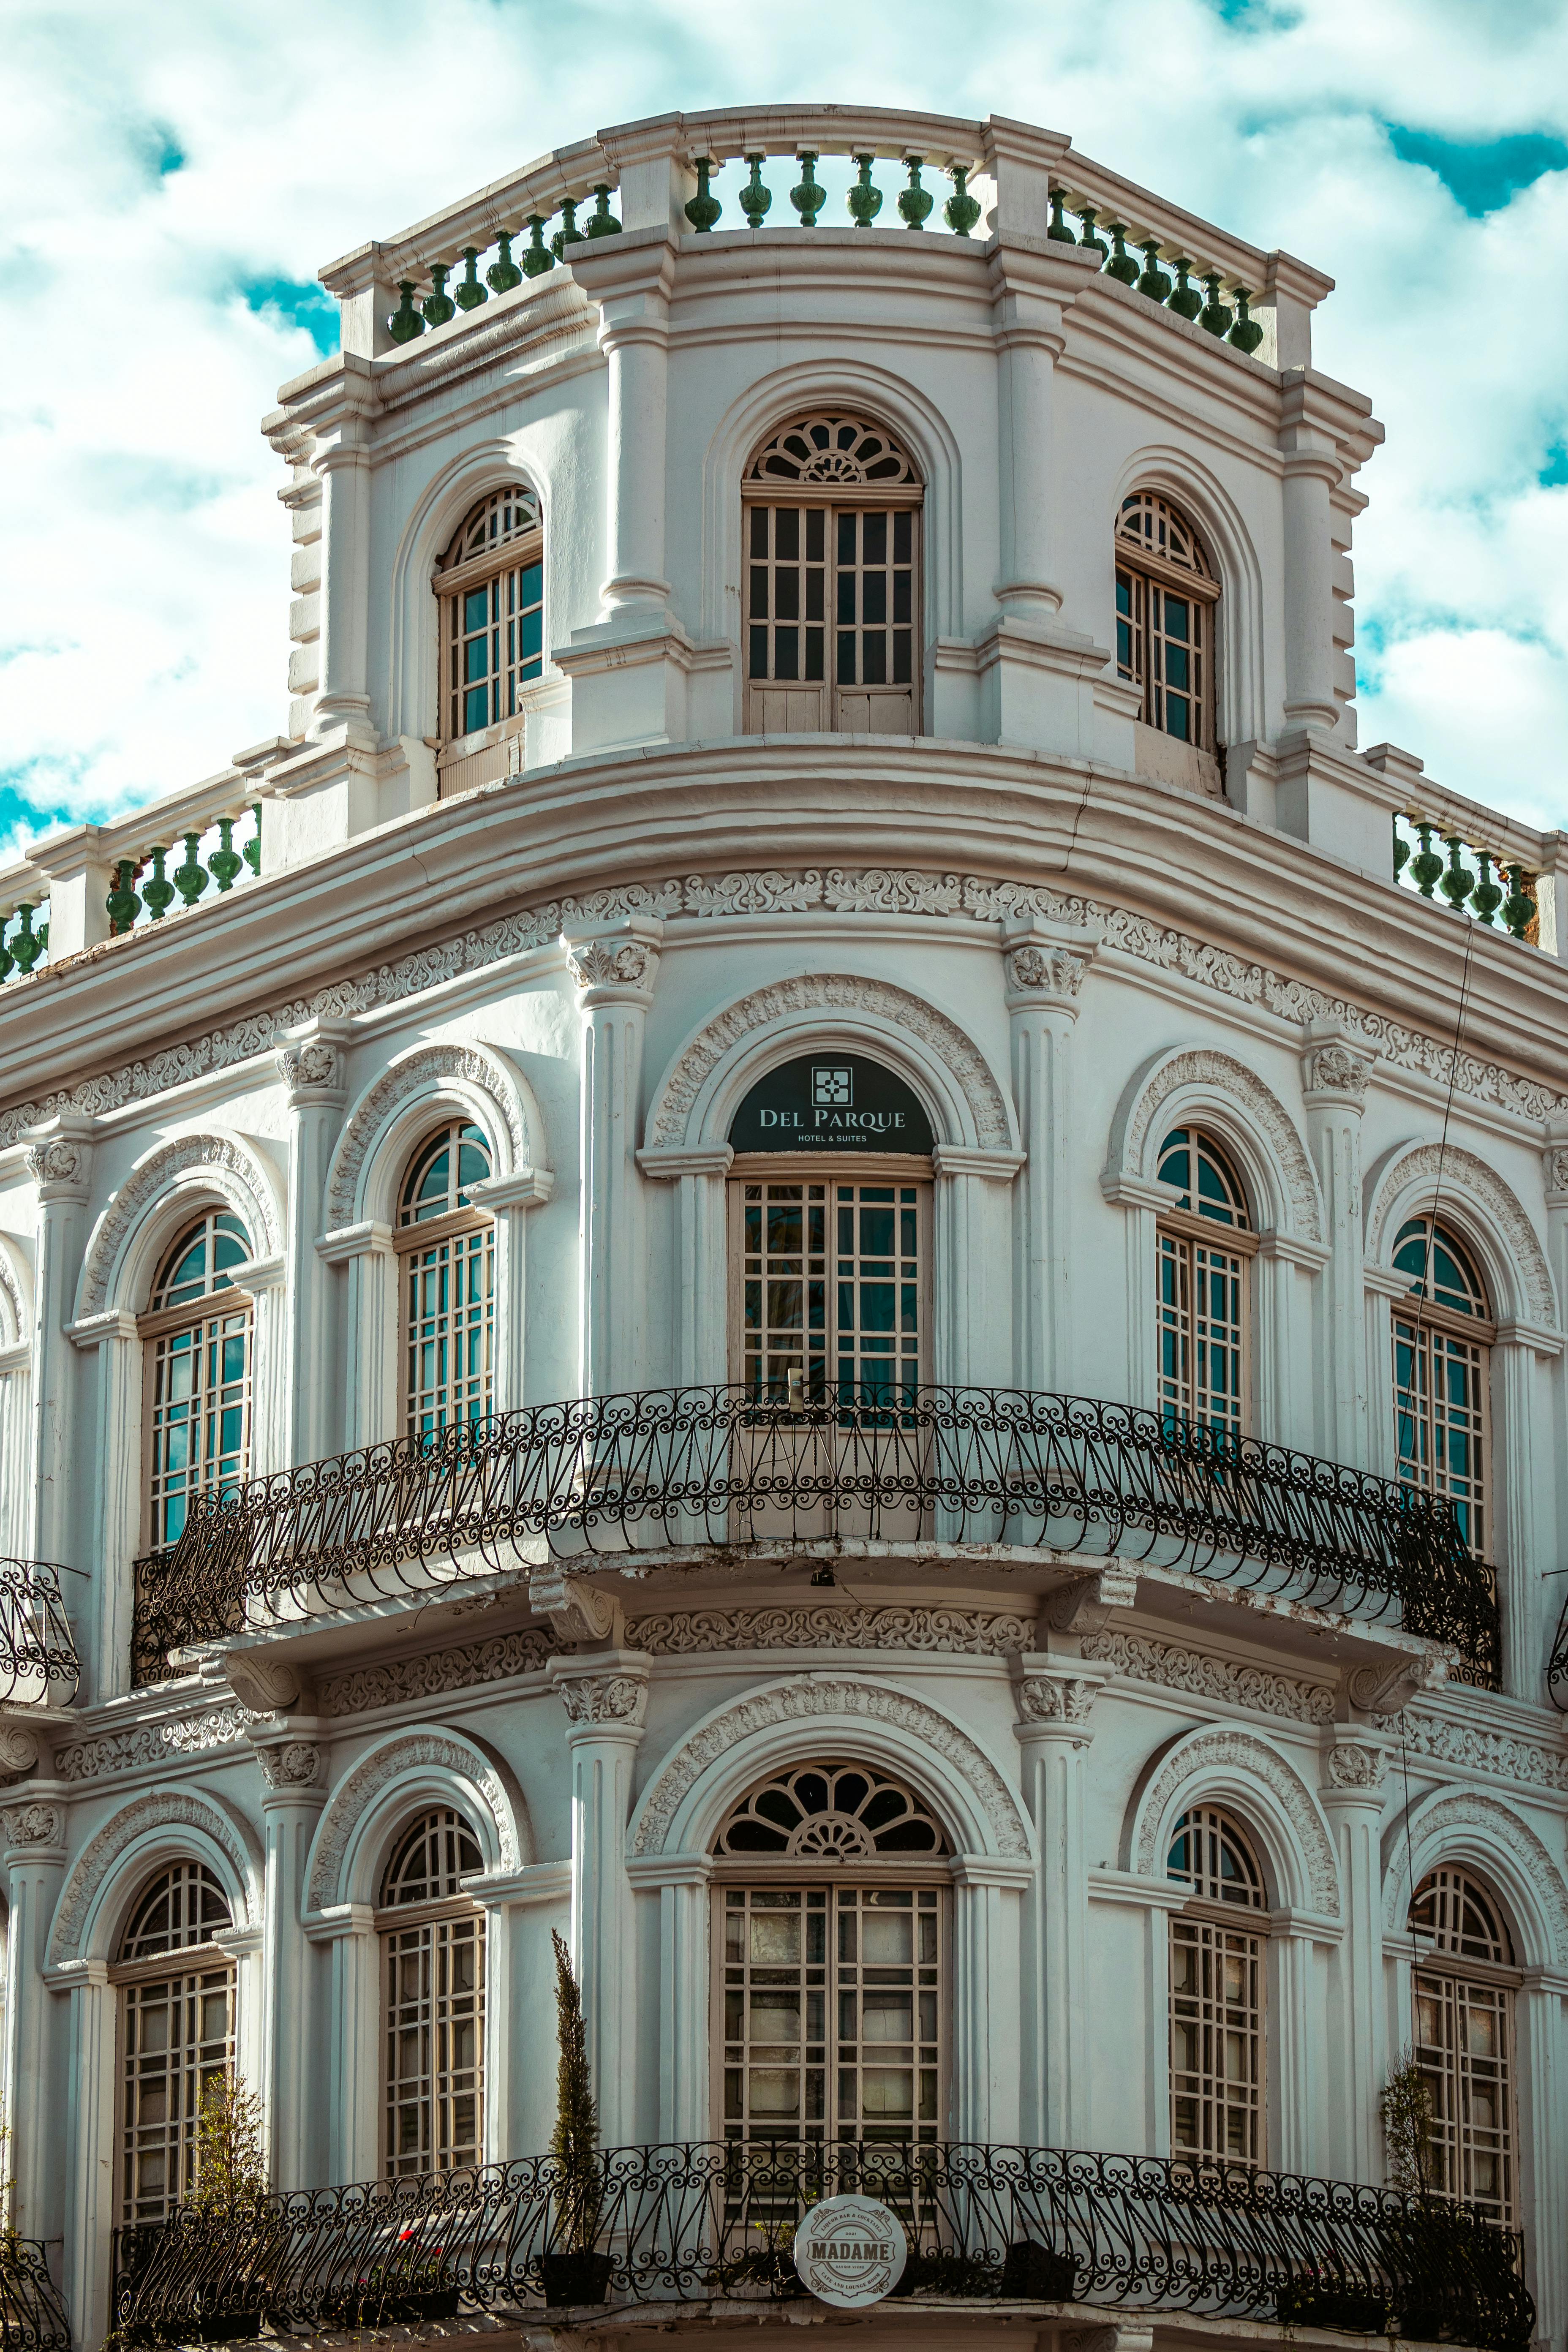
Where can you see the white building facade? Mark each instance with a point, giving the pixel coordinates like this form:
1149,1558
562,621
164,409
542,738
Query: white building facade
827,1281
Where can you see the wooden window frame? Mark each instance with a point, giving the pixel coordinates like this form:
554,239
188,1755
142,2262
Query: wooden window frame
803,1168
1452,1974
423,1922
414,1238
1146,569
212,1308
1209,1925
454,742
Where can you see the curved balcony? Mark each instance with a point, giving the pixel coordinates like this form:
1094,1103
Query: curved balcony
604,1479
38,1664
713,2224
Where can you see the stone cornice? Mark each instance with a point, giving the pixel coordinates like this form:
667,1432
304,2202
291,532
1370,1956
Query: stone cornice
1223,907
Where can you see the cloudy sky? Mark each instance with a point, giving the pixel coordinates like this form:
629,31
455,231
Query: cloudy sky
172,175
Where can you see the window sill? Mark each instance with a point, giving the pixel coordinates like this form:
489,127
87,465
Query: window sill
1168,762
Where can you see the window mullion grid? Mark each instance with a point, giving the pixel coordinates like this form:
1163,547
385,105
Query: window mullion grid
1217,2041
189,2015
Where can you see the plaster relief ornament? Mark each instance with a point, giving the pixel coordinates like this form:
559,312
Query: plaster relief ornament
611,963
295,1765
18,1748
313,1065
33,1824
60,1161
850,2252
1557,1171
1052,971
604,1698
1056,1698
1354,1767
1337,1071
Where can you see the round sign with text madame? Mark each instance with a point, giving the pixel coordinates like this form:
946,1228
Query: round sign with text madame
849,2251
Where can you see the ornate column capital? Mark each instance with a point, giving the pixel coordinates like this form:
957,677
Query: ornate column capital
619,966
1045,964
1554,1166
59,1161
1054,1697
33,1831
292,1767
1355,1764
313,1065
605,1695
1336,1065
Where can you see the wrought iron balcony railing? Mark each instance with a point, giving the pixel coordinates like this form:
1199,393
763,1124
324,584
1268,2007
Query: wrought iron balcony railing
671,1468
38,1664
1557,1670
715,2222
32,2312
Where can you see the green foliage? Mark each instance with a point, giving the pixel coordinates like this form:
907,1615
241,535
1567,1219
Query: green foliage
1406,2106
231,2170
574,2143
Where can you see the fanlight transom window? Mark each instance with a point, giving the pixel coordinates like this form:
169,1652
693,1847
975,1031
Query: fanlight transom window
1439,1267
831,572
443,1172
201,1260
1165,598
1454,1916
1208,1184
1213,1857
184,1905
833,1813
431,1860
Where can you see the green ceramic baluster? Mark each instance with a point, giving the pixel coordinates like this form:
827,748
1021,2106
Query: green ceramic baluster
1154,282
604,221
8,961
470,293
1091,243
1488,895
1425,866
538,257
568,233
1458,881
1401,849
704,208
962,210
807,197
405,321
1120,265
1216,315
1186,302
503,275
754,199
158,896
26,945
191,878
1059,230
251,850
864,201
226,861
439,307
1519,906
915,201
1246,334
122,903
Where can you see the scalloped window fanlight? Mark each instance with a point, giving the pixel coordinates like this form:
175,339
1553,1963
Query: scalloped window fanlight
184,1905
1212,1855
831,1813
828,450
431,1859
508,514
1457,1915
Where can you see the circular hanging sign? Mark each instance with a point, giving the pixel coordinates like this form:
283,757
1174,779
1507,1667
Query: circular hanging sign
849,2251
830,1102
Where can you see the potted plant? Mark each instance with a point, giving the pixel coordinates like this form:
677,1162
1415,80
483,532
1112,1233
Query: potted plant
230,2196
574,2273
1316,2298
1037,2274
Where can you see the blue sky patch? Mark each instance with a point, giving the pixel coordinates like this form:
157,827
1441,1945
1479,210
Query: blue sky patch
1485,174
1553,474
305,305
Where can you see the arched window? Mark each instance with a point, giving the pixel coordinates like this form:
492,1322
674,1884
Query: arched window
196,1334
834,632
1217,1992
1204,1245
1165,599
491,584
1441,1374
832,1932
445,1248
176,2032
1464,1984
433,1969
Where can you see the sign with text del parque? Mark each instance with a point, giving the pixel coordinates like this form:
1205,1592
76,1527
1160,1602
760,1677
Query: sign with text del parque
831,1102
850,2252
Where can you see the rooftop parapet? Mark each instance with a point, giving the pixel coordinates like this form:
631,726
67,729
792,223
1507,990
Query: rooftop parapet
674,172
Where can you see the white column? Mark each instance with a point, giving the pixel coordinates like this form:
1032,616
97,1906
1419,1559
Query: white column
1293,2050
113,1532
90,2171
1029,336
1541,2043
986,1893
520,1990
265,1282
292,1767
369,1382
60,1164
1354,1764
1143,1204
1334,1073
682,1883
974,1319
352,2087
1311,471
314,1071
35,1838
509,1199
1055,1698
1287,1284
1045,964
15,1426
616,971
699,1338
343,464
605,1693
1523,1520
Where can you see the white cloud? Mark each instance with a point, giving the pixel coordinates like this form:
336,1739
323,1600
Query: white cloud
143,606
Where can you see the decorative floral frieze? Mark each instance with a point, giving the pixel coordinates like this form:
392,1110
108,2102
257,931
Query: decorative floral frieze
966,1632
151,1743
435,1671
876,890
1146,1661
1472,1748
